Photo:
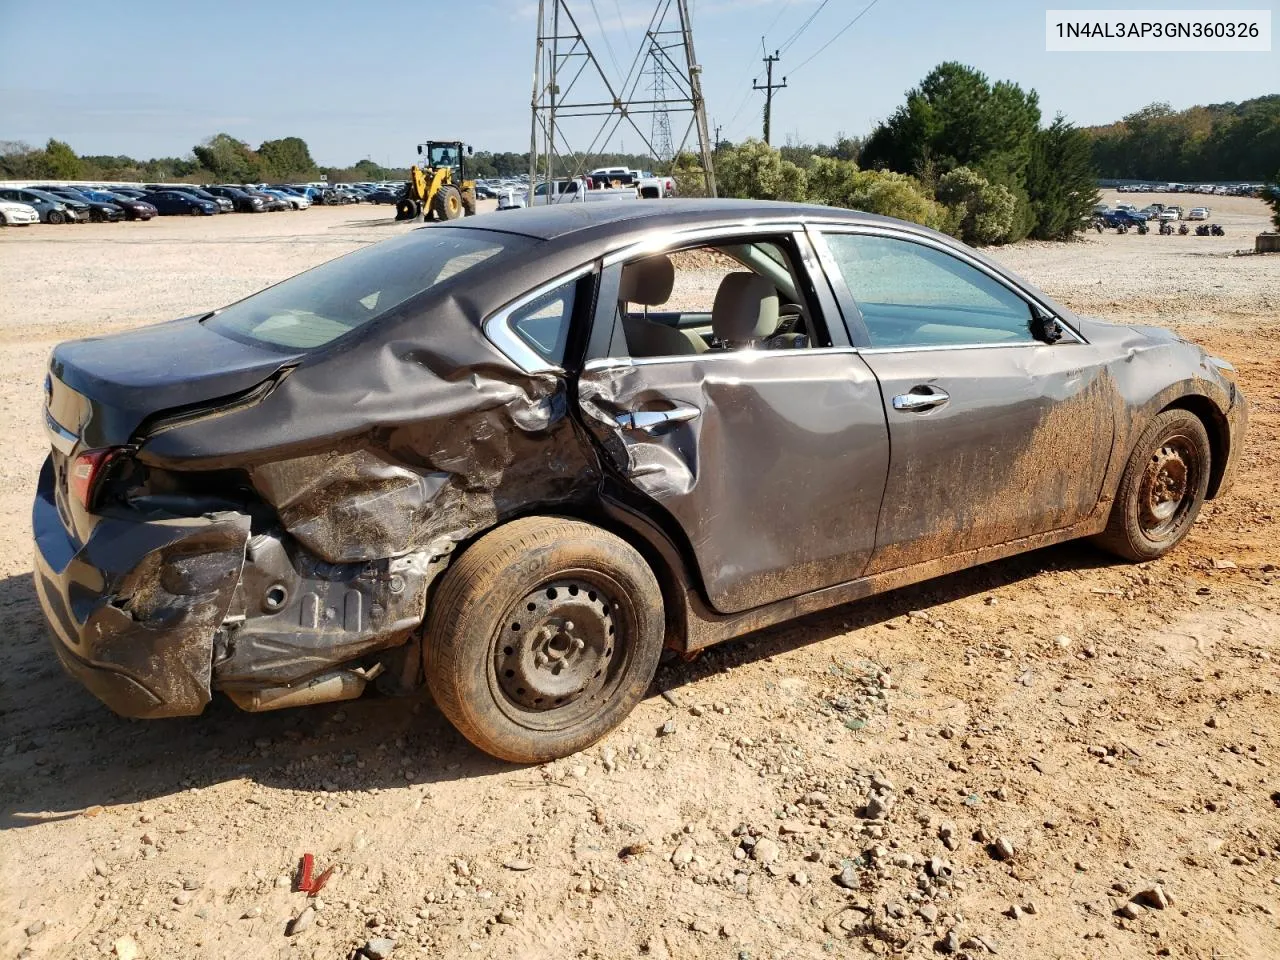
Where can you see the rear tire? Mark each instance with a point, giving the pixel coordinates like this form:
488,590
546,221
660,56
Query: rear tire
3,222
1162,490
406,209
542,637
448,203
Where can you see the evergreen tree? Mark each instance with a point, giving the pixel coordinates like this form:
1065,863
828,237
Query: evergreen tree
1061,181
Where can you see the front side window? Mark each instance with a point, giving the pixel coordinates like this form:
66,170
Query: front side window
324,303
913,295
544,322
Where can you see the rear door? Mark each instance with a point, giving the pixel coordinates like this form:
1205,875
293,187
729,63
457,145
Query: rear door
771,461
995,434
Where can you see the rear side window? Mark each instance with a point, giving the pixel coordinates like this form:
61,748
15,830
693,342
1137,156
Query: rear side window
543,323
316,307
913,295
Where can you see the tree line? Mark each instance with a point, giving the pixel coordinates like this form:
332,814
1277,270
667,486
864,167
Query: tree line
963,155
220,159
1224,141
223,158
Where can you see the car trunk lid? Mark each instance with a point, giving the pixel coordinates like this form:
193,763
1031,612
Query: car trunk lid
101,390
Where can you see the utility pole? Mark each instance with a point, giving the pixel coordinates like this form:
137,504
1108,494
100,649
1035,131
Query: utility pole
768,88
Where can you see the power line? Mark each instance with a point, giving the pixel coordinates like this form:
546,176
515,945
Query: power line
778,17
605,36
786,45
836,36
622,21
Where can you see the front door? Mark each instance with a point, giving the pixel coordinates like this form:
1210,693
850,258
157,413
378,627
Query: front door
996,435
770,455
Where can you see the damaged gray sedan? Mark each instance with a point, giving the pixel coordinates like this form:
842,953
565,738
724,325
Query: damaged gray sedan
514,457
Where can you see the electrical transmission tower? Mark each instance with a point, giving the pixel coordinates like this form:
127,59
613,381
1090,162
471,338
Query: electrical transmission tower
574,97
660,137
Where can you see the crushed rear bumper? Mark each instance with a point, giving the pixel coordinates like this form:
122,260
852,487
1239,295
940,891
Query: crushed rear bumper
133,610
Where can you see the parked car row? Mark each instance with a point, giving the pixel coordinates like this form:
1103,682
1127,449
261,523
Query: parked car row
1219,189
1130,214
111,203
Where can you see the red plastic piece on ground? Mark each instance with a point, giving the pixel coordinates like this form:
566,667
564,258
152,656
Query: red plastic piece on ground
320,881
304,881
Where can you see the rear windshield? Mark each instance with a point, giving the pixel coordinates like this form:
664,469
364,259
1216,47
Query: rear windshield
319,306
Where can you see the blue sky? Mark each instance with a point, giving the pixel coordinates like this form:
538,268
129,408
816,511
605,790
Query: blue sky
151,79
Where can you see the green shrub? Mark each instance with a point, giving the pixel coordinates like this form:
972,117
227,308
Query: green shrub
982,211
839,183
756,171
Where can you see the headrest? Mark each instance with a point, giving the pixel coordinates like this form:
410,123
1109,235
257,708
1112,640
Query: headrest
746,308
648,281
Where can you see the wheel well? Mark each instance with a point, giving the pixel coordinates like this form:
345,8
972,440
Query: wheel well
1215,424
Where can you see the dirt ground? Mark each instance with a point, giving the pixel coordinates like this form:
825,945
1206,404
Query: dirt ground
996,760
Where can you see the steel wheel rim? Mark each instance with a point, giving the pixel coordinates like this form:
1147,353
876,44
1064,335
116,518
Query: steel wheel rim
1168,488
547,675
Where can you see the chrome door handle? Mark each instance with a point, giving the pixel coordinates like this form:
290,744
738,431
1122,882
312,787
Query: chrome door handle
650,420
921,398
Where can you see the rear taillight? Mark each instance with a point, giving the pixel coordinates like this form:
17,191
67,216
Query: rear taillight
85,472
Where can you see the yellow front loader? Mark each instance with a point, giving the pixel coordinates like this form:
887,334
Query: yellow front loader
439,189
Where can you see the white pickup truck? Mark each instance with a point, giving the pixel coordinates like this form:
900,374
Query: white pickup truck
583,190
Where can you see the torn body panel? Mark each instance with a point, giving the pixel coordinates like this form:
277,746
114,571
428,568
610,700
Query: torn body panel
294,615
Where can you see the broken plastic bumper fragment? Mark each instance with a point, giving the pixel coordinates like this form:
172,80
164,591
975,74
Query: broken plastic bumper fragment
134,609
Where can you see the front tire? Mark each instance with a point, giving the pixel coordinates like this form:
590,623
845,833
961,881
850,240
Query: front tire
1162,490
448,203
542,638
57,216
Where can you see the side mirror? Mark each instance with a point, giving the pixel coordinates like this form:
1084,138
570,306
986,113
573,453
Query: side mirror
419,149
1045,326
470,151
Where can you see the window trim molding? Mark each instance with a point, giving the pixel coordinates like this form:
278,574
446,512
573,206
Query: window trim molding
500,332
606,363
817,233
660,240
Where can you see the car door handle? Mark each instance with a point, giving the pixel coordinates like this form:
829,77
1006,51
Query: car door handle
650,420
920,399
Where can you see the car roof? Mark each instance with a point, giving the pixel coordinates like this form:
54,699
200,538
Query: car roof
621,218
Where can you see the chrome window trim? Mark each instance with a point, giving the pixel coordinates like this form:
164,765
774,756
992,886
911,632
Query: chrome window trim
659,239
958,346
499,331
605,363
828,261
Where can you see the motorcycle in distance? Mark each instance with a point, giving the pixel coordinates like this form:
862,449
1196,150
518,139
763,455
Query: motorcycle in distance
1183,230
1166,229
1210,230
